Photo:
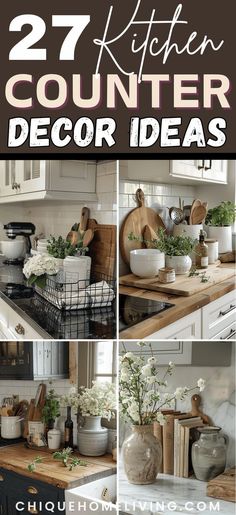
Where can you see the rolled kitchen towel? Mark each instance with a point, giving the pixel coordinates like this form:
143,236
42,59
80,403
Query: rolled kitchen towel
101,294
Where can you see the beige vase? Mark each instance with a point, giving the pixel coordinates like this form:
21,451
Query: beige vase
142,455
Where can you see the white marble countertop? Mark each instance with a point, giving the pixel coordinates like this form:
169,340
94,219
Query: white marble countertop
169,494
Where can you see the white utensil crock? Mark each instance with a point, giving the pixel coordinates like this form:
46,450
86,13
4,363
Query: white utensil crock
10,427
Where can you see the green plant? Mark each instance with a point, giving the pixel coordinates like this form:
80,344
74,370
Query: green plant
61,248
222,215
51,409
64,456
171,245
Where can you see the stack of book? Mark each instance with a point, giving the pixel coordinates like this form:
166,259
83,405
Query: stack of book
177,436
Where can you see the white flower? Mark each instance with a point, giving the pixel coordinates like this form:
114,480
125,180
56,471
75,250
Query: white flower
152,360
129,355
146,370
161,419
201,384
171,364
180,392
124,375
151,380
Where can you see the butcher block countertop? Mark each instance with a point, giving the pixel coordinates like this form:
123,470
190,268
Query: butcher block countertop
16,458
182,306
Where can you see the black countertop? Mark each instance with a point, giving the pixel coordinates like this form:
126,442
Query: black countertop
49,321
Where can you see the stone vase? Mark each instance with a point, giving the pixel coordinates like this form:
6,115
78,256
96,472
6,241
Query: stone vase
142,455
92,437
209,454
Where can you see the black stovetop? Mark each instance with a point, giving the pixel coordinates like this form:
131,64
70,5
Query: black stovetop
133,310
4,442
77,324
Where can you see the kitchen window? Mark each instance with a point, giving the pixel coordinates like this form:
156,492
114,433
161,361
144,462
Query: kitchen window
97,361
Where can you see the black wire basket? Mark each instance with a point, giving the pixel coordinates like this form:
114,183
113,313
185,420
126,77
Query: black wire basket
96,292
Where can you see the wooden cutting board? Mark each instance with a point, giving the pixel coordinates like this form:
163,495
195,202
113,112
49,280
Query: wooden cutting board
135,222
183,285
102,249
223,486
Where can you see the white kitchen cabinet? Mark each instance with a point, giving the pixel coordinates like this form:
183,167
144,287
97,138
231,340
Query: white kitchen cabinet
50,360
149,170
38,179
197,353
218,316
201,170
13,326
215,170
186,328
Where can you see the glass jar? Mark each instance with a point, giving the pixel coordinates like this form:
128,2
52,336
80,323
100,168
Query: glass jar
209,453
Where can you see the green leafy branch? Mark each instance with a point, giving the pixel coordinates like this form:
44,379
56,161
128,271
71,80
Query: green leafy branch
65,456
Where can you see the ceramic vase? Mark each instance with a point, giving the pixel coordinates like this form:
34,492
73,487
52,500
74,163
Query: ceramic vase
92,437
142,455
209,454
181,264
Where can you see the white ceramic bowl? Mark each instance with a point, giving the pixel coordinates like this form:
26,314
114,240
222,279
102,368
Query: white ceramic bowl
13,249
146,262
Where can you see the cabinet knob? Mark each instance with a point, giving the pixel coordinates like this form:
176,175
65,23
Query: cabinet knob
19,329
32,490
1,477
14,185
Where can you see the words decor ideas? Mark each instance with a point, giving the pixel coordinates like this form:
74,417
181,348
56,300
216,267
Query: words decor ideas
117,76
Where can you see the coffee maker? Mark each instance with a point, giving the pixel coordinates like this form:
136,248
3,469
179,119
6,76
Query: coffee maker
25,229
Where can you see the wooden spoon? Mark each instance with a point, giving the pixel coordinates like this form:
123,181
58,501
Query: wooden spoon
198,215
83,220
88,237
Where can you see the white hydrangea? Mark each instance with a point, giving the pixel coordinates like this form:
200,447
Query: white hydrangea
201,384
40,265
151,380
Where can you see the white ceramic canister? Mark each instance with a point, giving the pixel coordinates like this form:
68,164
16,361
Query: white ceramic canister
146,262
213,250
77,271
223,235
54,439
192,231
10,427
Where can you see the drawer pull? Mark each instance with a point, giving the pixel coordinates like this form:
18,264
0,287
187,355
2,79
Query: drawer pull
208,167
231,308
19,329
33,510
32,490
230,335
1,477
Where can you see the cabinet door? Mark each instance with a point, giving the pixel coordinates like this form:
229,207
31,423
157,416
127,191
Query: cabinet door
190,169
51,360
73,176
32,176
215,170
16,360
8,178
178,352
187,328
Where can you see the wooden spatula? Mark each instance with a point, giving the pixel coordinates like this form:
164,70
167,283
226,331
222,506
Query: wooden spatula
149,235
83,220
196,203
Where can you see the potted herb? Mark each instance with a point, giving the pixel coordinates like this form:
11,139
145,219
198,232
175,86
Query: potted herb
220,220
177,250
51,409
